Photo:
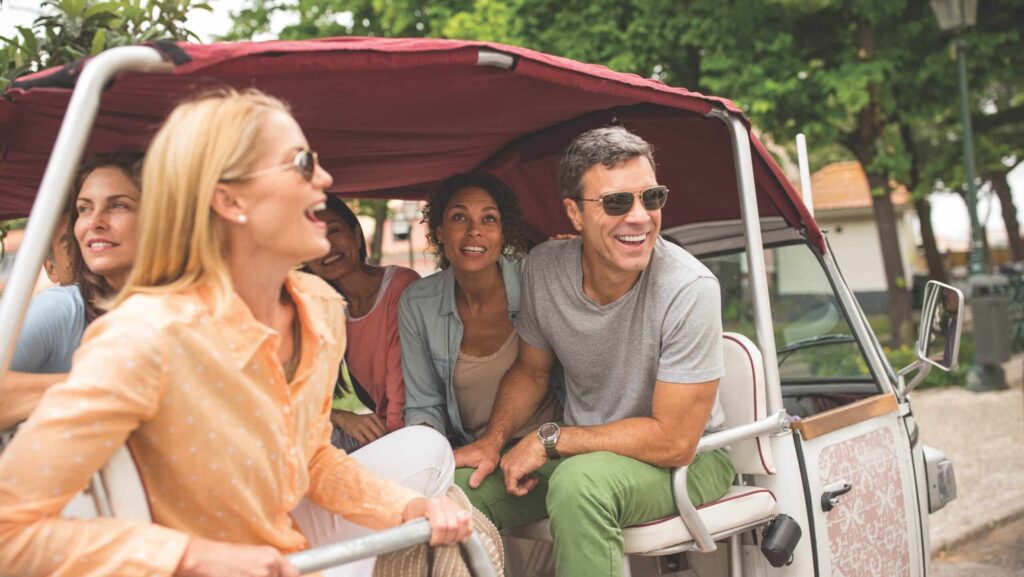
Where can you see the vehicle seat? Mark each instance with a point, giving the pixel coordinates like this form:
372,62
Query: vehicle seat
742,395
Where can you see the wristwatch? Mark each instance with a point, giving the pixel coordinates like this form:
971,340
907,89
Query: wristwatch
548,434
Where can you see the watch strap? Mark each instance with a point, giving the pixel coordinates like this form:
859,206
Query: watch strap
550,449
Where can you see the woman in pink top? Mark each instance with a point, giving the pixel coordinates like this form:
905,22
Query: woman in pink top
374,356
216,367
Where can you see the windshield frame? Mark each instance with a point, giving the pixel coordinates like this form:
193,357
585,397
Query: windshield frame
856,328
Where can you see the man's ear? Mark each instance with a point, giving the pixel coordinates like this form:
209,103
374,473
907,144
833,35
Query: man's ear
572,210
226,204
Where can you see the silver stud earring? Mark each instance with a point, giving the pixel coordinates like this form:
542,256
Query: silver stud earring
242,219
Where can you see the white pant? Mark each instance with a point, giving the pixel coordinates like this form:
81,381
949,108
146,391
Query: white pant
419,458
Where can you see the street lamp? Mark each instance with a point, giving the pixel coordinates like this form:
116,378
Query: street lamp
956,16
989,309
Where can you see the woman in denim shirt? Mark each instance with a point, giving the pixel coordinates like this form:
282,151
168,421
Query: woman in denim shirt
457,327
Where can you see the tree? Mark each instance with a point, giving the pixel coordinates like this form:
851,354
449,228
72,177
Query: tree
70,30
872,76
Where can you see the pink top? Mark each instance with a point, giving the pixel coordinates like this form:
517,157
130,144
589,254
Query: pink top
374,355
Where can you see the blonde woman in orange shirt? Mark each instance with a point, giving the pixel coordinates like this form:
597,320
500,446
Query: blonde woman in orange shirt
216,366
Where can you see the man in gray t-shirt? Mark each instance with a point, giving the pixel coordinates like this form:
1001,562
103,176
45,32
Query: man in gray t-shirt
666,327
635,323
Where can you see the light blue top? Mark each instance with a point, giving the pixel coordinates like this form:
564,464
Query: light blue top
431,335
52,331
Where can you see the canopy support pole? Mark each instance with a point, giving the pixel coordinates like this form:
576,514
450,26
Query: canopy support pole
755,254
53,191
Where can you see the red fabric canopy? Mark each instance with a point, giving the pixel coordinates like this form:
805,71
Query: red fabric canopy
392,117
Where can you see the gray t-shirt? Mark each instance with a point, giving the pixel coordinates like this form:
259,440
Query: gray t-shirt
667,327
52,331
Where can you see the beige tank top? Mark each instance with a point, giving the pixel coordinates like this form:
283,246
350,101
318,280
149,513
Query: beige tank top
476,383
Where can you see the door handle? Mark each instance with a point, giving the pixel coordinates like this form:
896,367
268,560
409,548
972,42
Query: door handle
830,498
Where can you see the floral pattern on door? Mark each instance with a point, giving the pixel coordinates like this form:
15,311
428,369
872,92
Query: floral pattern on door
867,529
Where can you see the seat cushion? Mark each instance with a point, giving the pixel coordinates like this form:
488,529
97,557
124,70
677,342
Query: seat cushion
742,395
739,507
124,487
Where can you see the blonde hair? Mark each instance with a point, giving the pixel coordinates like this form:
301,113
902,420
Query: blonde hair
208,139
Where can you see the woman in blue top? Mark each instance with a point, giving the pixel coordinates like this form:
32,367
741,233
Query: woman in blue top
102,223
457,331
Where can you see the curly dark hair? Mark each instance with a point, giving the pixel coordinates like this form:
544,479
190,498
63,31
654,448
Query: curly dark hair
94,288
513,237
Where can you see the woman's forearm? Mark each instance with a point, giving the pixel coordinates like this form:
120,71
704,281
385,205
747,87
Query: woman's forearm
21,393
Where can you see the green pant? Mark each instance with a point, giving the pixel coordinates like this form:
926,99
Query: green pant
591,497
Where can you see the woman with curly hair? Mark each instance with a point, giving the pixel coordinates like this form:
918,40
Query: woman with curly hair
457,331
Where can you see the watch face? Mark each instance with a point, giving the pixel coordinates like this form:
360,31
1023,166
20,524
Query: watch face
547,430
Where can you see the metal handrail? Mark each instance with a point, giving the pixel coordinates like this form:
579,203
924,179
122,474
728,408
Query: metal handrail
53,190
388,541
776,423
702,538
745,184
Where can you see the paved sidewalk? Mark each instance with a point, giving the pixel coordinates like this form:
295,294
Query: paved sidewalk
983,434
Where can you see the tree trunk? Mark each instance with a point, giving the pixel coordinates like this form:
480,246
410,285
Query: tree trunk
865,144
892,260
380,214
936,265
1002,189
936,268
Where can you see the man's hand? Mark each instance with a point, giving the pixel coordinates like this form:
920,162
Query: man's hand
483,455
526,457
363,428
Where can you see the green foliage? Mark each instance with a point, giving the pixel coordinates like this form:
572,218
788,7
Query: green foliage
70,30
843,72
489,20
904,355
7,226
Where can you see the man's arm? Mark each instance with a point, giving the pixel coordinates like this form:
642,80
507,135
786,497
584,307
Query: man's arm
668,438
521,391
21,393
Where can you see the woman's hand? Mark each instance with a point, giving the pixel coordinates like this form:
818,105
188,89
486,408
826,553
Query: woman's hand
205,558
363,428
449,523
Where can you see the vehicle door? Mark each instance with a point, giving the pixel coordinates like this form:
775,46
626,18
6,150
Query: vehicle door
851,449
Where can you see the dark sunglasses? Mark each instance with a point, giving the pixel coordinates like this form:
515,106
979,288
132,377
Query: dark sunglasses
305,162
619,203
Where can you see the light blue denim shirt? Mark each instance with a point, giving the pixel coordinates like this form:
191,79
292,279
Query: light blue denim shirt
431,334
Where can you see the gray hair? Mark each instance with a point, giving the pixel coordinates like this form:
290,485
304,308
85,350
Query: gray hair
610,146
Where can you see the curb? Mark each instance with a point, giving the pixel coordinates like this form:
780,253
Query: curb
974,531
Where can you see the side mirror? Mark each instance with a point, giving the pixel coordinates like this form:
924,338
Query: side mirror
942,320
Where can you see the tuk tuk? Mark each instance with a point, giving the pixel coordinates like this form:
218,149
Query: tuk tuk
832,479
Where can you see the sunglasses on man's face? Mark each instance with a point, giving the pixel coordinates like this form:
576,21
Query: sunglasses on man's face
620,203
305,162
